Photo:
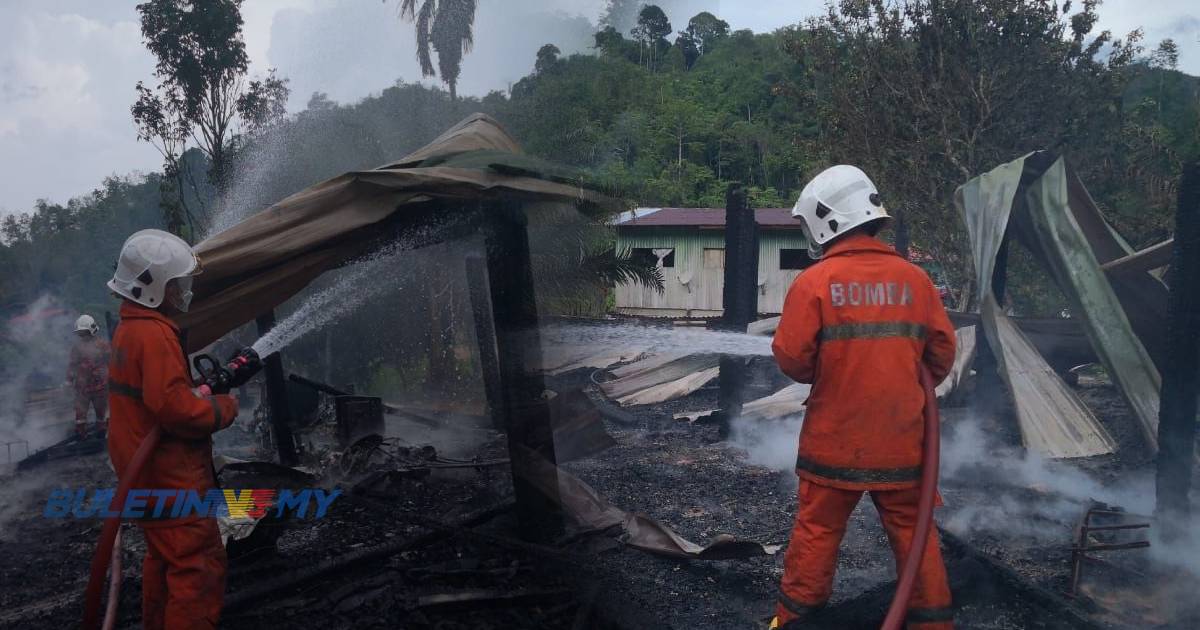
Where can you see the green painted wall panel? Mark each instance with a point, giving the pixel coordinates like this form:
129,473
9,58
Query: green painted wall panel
689,286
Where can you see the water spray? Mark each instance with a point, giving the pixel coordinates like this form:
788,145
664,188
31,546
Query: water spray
658,339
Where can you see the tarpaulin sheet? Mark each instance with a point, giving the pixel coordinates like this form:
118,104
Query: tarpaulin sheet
1053,421
259,263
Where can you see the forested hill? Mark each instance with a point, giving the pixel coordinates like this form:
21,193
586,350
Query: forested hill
674,122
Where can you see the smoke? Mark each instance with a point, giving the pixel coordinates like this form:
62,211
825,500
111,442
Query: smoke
770,443
997,489
971,457
35,346
1043,500
16,495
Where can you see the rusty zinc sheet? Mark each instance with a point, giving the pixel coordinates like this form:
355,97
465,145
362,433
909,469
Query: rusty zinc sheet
1052,419
259,263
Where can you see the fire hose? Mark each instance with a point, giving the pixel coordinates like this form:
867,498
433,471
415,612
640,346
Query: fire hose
929,476
215,379
108,533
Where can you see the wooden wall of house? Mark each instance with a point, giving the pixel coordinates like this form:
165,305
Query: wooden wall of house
693,287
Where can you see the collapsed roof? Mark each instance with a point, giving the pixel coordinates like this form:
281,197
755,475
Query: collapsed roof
259,263
1039,200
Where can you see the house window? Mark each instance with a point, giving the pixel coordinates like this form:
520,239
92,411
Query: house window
714,258
794,259
653,255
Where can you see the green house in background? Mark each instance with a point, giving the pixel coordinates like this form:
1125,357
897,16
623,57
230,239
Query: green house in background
689,245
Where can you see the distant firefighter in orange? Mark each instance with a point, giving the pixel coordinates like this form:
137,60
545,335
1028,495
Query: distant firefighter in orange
87,374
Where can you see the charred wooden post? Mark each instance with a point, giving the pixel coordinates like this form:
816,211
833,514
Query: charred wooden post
524,412
1181,378
731,383
732,375
740,296
485,336
277,400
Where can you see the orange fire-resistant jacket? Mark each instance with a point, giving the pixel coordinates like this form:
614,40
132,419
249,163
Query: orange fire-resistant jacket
150,385
87,366
856,325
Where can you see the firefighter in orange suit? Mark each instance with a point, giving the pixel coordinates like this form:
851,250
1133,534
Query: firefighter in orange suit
87,373
183,575
857,325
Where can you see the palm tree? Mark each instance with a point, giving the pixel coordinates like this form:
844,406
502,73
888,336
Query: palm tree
446,26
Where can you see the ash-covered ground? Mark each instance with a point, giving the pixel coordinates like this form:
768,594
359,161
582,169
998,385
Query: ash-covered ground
1009,523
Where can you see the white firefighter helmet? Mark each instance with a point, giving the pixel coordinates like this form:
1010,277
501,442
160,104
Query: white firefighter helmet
836,201
149,260
85,322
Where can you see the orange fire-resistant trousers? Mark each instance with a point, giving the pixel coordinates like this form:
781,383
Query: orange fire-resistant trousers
183,576
812,554
84,401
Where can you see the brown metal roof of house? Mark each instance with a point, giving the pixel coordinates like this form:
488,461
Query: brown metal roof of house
776,218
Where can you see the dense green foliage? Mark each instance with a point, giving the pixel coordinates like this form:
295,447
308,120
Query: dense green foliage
670,136
674,128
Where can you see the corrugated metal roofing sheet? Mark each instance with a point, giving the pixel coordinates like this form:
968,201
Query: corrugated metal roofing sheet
780,218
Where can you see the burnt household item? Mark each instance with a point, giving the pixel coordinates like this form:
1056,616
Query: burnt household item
348,390
358,416
304,404
1103,528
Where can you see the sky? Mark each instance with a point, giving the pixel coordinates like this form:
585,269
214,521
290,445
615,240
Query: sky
68,67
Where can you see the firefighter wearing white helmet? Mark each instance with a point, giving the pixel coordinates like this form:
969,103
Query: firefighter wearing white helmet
86,323
87,374
862,312
149,261
835,202
151,392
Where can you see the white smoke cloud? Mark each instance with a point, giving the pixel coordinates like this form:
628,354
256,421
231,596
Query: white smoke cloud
1011,492
36,345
